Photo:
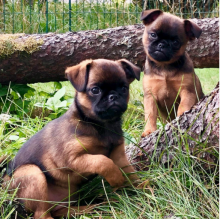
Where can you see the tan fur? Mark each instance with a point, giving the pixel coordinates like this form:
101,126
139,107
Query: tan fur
160,92
163,85
119,158
72,153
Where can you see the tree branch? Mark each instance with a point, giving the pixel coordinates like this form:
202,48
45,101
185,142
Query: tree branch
196,131
44,57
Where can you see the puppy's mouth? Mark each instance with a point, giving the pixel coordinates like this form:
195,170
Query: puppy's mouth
159,55
112,112
114,107
159,51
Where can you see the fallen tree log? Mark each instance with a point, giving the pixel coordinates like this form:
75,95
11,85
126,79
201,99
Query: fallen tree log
44,57
195,132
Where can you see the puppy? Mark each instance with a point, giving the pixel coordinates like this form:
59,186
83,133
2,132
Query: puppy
87,140
169,76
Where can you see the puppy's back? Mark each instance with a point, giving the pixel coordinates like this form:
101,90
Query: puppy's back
46,140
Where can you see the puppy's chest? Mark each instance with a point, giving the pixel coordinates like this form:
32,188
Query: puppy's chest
107,140
164,89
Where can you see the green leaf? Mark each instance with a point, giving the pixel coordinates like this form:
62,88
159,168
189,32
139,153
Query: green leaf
19,103
49,101
3,91
44,94
57,85
30,93
50,108
22,89
52,102
39,104
13,137
53,115
59,94
56,104
128,138
62,104
66,97
70,100
15,95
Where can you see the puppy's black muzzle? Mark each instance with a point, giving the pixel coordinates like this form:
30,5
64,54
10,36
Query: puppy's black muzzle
112,97
161,45
160,51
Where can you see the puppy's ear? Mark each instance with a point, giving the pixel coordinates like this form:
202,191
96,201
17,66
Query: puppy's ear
149,16
132,71
192,30
78,75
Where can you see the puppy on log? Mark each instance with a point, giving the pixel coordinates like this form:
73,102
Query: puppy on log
169,79
87,140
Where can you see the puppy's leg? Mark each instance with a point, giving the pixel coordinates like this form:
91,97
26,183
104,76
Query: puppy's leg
96,164
31,184
119,157
151,114
101,165
187,100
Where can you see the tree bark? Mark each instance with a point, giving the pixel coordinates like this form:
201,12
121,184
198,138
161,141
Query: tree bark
195,132
44,57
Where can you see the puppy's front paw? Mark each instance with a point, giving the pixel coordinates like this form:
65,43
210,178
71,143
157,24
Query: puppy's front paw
134,179
145,133
116,180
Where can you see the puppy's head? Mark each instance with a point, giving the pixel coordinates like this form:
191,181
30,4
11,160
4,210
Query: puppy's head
102,87
165,35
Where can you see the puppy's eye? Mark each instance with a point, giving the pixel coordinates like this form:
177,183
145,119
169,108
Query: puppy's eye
176,43
95,90
124,89
153,35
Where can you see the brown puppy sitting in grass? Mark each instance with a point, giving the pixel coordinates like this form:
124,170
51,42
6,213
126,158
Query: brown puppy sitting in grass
169,78
87,140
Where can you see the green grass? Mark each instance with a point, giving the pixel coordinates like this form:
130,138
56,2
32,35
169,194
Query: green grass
209,77
184,188
85,15
57,16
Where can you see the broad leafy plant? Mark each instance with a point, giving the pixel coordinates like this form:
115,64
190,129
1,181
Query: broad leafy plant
57,103
25,110
15,99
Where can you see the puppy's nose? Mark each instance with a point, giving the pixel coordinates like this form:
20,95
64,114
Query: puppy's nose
161,45
112,97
